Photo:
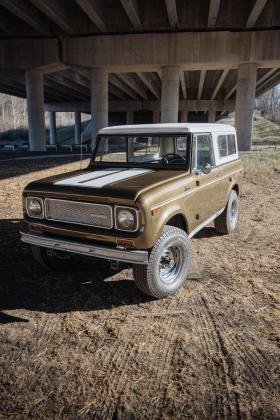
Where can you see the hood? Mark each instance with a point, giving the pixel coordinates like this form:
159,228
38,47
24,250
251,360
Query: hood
112,183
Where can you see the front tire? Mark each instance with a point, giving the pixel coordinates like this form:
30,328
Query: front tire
52,260
226,222
169,264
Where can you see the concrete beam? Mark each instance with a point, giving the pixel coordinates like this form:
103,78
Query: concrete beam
201,83
267,75
132,83
94,11
28,14
134,106
116,92
255,13
146,79
114,80
56,13
214,7
231,92
131,8
219,84
172,13
269,83
27,54
213,50
35,111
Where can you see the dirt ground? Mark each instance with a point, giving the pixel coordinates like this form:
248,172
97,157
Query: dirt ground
87,344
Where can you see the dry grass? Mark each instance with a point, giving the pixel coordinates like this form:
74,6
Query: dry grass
266,132
261,165
87,344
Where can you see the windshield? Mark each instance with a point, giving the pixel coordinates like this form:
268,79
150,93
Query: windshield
164,151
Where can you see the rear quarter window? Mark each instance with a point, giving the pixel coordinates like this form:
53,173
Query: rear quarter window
226,145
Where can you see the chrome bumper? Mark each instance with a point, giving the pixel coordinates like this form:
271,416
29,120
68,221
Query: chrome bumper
98,251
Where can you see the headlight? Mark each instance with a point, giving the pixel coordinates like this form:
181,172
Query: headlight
34,207
126,218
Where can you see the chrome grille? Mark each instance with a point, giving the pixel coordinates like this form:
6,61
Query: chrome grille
97,215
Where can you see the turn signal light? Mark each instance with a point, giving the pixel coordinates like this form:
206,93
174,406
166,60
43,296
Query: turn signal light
126,242
35,228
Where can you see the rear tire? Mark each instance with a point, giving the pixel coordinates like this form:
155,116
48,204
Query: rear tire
226,222
52,260
169,264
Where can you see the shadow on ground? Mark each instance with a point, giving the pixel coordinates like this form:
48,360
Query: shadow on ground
14,167
86,286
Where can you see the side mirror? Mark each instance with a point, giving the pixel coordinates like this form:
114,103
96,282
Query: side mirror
206,169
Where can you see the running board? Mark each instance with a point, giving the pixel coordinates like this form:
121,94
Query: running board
205,223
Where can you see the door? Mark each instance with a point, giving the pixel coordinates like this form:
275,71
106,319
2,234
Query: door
204,200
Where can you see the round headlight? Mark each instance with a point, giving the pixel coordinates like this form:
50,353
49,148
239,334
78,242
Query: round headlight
34,207
125,219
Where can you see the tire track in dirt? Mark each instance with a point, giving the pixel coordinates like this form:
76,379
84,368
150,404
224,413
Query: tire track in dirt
216,373
225,370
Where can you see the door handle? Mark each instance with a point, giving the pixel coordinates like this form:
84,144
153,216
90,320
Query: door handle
219,174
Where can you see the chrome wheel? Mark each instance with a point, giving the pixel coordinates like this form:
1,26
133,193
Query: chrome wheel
234,212
170,263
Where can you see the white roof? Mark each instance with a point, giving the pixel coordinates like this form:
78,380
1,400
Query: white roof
168,128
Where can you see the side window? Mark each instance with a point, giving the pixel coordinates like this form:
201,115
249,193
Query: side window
226,145
202,151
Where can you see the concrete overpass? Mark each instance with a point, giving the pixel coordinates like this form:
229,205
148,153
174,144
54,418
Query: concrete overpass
171,58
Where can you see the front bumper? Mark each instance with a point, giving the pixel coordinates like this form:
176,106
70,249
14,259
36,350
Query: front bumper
84,248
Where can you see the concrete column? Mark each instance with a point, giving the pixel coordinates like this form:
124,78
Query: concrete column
156,117
78,127
184,115
52,123
212,115
129,117
99,101
170,94
35,110
245,103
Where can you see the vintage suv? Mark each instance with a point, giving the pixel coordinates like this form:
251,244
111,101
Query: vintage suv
146,192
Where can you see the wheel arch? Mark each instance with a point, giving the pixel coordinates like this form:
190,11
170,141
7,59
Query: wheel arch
179,220
236,188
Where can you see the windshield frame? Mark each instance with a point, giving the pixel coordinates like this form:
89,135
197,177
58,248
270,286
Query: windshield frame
126,164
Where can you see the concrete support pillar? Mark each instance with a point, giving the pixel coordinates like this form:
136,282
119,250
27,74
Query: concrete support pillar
52,123
99,101
245,103
129,117
170,94
35,110
78,127
212,115
156,117
184,115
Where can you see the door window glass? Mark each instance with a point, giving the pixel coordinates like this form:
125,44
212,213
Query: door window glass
202,151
